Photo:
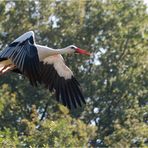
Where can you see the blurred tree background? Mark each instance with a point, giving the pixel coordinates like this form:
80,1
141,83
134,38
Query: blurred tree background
114,79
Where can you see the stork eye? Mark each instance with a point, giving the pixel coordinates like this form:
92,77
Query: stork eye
72,47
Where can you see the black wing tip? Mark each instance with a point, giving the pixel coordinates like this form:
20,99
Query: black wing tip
77,88
75,95
69,94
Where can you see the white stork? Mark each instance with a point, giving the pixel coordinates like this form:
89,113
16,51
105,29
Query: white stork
43,65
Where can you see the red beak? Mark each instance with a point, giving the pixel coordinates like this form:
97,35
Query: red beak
82,51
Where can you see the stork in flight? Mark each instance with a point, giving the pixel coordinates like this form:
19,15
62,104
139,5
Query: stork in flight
43,65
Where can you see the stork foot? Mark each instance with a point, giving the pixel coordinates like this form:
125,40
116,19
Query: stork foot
6,69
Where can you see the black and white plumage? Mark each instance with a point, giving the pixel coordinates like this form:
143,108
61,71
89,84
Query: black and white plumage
43,65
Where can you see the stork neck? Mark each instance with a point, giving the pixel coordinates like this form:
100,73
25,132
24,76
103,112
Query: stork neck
62,51
44,51
53,51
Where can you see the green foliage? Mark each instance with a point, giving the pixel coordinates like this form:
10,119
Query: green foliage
62,132
8,138
115,32
132,132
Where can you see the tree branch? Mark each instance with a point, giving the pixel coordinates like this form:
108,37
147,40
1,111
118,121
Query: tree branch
44,112
124,50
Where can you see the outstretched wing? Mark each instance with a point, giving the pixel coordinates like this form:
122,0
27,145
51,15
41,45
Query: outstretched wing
59,78
23,54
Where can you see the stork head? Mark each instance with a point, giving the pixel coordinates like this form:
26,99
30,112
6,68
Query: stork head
75,49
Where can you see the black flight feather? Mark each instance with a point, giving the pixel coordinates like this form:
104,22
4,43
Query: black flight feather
71,94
